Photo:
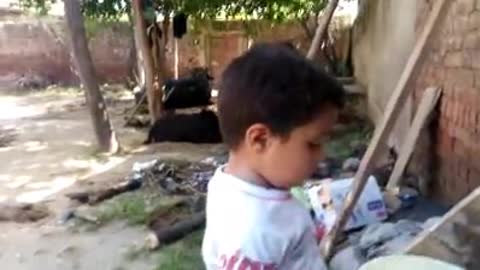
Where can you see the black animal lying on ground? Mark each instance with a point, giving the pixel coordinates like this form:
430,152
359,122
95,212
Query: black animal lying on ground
201,127
192,91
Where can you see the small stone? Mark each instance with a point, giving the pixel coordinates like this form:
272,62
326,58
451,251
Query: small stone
66,216
351,164
377,233
387,238
346,259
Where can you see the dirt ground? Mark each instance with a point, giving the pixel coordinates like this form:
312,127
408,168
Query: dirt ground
52,153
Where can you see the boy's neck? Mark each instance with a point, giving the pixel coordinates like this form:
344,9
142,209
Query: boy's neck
240,168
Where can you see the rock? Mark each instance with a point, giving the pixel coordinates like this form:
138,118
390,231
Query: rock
388,238
377,233
66,216
346,259
351,164
394,246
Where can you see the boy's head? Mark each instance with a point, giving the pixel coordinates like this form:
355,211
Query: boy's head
276,110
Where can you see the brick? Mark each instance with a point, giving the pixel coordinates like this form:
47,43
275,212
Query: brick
454,42
465,6
454,59
476,59
473,21
462,78
472,40
474,178
461,24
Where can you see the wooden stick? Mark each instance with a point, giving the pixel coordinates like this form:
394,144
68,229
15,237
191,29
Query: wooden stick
427,104
455,238
95,197
394,106
137,106
177,231
322,28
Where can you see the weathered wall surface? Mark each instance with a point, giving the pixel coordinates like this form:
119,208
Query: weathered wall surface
383,37
40,47
447,156
452,62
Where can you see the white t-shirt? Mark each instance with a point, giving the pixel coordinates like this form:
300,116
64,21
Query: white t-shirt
254,228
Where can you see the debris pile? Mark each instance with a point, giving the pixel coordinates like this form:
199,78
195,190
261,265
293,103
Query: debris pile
168,177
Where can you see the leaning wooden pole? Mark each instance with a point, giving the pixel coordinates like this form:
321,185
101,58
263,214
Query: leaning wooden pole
382,131
322,28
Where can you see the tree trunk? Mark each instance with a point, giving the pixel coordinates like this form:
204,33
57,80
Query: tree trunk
142,41
323,22
106,138
166,28
175,46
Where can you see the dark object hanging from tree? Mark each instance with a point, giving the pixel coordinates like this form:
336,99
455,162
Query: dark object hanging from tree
179,25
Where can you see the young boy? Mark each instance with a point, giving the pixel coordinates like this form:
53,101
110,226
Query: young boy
276,110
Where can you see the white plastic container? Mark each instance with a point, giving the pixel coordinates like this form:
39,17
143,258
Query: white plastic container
327,198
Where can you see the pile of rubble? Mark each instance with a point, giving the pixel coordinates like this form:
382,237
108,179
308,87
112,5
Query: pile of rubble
176,176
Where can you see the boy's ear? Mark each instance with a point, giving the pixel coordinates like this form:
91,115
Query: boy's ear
257,137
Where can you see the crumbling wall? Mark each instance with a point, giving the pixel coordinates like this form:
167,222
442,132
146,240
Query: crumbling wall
452,62
39,46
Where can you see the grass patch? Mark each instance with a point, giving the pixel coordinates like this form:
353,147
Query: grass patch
345,138
183,255
59,91
134,207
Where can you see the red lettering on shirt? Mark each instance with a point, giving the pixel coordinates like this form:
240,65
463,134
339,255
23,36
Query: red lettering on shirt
240,262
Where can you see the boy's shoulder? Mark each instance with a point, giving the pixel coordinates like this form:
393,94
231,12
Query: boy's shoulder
250,225
255,210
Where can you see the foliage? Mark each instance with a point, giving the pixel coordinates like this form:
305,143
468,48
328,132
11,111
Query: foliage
135,207
183,255
40,6
272,10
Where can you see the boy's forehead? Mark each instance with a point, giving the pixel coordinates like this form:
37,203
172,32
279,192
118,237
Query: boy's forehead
321,124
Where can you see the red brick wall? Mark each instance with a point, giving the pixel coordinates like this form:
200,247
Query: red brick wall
452,62
40,47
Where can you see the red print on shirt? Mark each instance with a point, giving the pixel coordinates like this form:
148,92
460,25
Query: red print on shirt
240,262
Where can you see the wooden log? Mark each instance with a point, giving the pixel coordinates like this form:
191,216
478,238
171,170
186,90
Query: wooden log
95,197
456,237
427,104
384,128
167,235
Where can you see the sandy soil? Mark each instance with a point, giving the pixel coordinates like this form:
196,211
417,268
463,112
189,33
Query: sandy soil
52,153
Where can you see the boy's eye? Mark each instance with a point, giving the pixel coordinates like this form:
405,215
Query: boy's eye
315,144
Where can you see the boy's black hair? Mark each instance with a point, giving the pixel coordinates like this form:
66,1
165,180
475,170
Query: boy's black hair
275,85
